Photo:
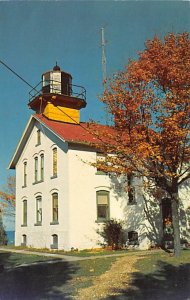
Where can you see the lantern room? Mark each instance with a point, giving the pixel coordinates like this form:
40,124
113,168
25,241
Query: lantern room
57,81
57,98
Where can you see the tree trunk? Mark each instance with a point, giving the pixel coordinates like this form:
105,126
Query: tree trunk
175,223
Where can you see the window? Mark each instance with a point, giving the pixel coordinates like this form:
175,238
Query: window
42,167
102,205
24,240
36,169
54,162
55,207
38,137
100,158
25,174
38,210
54,245
39,174
131,190
25,212
166,206
133,238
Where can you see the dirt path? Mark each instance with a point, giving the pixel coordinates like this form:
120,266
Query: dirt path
108,284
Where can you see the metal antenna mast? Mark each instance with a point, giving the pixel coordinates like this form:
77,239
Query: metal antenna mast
104,73
103,44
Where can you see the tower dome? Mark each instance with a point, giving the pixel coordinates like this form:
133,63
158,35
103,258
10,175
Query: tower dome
56,68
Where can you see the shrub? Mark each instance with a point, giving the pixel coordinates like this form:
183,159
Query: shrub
113,234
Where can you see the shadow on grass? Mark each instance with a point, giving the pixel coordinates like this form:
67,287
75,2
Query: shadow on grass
4,257
168,283
43,281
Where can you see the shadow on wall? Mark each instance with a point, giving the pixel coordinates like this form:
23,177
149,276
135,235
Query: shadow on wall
168,283
43,281
153,214
143,216
184,210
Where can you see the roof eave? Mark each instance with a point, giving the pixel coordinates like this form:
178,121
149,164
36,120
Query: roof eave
15,156
23,138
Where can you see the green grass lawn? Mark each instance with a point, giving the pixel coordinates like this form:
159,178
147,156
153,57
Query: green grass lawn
158,276
57,280
11,260
151,263
87,270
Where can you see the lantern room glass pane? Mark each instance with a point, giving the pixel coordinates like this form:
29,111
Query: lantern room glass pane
56,83
46,79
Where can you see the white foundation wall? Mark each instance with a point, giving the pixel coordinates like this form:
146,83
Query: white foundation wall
41,236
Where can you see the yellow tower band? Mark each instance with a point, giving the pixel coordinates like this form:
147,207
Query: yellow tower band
62,114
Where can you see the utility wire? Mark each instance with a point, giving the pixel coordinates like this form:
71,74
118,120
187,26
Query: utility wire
5,65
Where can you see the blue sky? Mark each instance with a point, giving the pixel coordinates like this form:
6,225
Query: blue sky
34,35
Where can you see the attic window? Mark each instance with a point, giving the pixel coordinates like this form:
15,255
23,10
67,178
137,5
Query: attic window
25,174
38,137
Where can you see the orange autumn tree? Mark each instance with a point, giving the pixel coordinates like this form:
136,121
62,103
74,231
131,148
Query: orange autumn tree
7,197
150,105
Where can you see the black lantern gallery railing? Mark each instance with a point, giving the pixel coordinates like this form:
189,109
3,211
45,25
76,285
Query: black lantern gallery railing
56,87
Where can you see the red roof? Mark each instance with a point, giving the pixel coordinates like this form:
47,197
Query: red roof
84,133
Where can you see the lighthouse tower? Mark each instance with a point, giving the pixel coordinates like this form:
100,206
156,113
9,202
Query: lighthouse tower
57,98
